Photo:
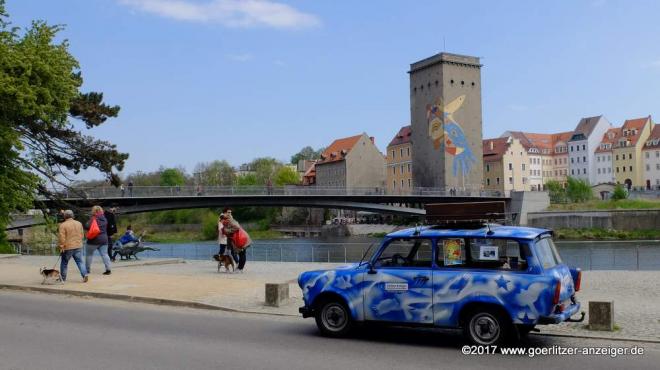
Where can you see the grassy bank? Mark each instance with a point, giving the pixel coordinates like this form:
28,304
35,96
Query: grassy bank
604,234
602,205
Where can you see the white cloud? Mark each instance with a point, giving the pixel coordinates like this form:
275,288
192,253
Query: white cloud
240,57
230,13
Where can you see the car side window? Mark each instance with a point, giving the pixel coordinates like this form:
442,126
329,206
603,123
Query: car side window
406,253
501,254
451,252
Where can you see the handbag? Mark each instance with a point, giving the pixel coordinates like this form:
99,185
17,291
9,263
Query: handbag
94,230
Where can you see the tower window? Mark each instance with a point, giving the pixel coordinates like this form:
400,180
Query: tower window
436,82
452,82
462,82
472,83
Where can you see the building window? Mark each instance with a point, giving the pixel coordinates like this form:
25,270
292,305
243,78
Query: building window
630,168
394,184
609,170
401,182
571,148
523,166
599,171
510,166
401,152
657,166
617,157
497,180
510,180
584,171
393,170
617,170
648,168
408,151
487,168
623,168
488,182
572,160
629,155
578,159
409,183
646,154
393,152
584,147
572,172
584,159
402,168
409,168
524,180
657,154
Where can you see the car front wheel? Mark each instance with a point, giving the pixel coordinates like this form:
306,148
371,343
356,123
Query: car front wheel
333,318
486,328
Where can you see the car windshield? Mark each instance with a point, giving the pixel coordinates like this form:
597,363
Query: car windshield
547,253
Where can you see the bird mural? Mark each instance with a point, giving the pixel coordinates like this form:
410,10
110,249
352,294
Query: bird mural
447,133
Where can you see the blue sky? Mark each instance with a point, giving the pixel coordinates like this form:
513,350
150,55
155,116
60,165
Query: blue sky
199,80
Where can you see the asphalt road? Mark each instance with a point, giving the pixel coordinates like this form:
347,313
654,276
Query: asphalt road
39,331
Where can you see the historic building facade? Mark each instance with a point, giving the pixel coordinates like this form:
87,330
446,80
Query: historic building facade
399,163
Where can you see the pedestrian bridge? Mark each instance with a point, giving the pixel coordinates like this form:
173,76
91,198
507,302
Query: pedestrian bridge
159,198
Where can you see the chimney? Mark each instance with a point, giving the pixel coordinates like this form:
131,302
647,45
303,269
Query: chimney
373,140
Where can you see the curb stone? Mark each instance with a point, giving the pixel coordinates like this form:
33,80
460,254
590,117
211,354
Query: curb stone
7,256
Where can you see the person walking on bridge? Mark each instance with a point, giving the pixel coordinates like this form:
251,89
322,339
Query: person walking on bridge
70,238
97,239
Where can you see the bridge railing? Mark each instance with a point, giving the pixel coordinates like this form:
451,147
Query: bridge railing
182,191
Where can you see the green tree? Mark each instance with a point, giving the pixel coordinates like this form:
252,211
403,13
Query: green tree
172,177
216,173
39,98
556,191
246,180
264,169
307,153
286,176
578,190
619,193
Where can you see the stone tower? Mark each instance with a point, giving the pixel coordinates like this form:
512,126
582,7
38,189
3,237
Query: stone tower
445,113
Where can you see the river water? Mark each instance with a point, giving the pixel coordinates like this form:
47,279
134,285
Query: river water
592,255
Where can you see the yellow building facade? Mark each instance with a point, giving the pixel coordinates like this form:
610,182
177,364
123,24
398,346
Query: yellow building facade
627,161
399,163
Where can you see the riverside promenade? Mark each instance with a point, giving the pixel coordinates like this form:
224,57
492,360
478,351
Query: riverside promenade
197,284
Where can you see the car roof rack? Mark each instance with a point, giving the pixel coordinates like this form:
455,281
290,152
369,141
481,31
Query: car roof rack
467,215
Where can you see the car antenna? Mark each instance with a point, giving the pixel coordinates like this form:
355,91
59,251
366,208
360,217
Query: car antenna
365,253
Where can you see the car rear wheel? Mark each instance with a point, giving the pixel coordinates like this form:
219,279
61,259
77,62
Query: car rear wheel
333,318
486,327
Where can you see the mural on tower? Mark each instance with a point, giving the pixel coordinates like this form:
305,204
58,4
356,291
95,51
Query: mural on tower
447,134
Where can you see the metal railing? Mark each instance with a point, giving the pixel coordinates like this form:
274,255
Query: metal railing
189,191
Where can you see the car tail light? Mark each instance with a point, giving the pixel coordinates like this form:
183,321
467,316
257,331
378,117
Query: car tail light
555,299
578,281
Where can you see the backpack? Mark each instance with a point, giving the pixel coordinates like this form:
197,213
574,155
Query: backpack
94,230
240,238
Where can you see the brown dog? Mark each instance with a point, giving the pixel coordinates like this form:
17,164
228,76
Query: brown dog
224,261
51,274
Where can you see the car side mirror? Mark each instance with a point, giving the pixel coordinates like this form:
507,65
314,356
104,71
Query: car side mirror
371,270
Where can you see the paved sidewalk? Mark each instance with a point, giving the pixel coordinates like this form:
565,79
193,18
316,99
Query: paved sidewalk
635,294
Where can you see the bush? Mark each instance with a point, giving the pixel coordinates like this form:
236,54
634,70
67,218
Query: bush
578,190
556,191
619,193
210,226
6,248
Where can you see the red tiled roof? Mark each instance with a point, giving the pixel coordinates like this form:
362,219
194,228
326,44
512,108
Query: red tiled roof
338,150
402,137
562,136
494,149
637,124
654,138
610,137
309,178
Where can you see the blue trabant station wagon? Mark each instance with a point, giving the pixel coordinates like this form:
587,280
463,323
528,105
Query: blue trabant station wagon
494,282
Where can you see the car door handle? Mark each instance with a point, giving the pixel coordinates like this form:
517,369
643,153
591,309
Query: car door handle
422,278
